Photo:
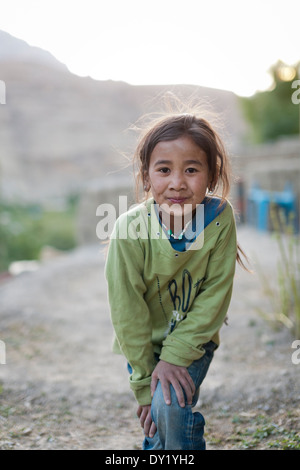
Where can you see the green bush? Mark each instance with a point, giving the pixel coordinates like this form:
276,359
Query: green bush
24,230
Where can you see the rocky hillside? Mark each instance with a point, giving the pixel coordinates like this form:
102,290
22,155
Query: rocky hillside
58,131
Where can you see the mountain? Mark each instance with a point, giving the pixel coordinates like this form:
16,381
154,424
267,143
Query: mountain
14,49
58,131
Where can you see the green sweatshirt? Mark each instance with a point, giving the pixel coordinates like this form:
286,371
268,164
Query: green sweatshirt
167,302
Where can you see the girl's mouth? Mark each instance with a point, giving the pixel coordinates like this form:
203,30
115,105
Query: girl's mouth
177,200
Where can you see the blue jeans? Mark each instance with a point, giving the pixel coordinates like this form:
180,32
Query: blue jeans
179,428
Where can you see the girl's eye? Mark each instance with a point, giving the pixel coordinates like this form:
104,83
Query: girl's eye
163,170
191,170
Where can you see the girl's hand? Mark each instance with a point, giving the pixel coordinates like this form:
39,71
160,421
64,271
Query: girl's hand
144,413
177,376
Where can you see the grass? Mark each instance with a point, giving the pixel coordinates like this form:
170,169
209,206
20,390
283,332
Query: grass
262,431
284,297
26,229
256,431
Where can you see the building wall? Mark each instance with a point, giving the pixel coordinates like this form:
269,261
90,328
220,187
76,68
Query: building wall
272,167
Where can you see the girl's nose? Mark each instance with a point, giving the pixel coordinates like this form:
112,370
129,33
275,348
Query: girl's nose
177,182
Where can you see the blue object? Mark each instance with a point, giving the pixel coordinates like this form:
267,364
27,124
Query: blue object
259,201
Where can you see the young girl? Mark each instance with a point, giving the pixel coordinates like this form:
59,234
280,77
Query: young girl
170,276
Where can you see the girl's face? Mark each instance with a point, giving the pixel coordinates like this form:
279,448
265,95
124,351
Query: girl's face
178,175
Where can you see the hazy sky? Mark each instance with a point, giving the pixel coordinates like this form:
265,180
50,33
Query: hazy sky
228,44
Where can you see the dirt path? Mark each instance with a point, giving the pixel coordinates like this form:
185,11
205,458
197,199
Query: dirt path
62,388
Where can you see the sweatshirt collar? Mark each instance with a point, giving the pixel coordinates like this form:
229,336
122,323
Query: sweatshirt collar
156,231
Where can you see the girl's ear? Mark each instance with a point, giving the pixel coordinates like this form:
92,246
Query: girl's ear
146,182
211,187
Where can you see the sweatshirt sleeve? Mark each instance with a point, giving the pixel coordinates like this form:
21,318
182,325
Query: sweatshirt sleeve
129,312
209,309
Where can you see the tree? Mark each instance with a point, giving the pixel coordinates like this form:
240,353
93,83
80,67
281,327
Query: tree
272,114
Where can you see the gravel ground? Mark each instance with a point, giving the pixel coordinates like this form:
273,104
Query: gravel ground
62,388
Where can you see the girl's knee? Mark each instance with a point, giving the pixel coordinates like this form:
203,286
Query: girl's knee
159,408
177,427
158,401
